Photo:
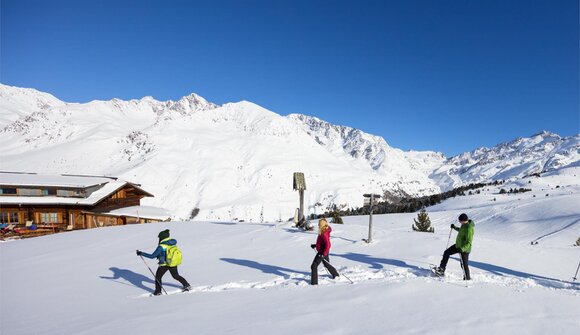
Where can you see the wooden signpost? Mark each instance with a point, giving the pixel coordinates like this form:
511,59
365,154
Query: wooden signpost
372,198
300,186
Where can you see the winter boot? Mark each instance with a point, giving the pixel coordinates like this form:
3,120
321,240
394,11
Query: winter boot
186,288
439,271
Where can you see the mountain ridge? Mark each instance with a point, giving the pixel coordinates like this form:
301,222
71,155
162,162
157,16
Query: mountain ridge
237,159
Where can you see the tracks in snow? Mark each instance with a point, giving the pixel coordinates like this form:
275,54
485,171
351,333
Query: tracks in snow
360,275
555,232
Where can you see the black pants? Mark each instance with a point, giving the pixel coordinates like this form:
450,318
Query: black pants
464,260
161,271
314,269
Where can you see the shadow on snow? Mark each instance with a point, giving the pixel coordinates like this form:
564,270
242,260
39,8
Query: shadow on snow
133,278
269,269
233,223
379,263
541,280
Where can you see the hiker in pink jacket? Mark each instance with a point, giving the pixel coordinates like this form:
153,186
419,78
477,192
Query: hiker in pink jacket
322,249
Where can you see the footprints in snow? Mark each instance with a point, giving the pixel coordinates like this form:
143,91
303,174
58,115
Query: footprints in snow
361,275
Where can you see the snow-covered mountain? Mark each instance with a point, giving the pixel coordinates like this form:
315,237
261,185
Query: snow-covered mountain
543,152
236,160
407,168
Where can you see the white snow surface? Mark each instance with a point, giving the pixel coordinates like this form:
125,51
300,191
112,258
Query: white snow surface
253,278
236,161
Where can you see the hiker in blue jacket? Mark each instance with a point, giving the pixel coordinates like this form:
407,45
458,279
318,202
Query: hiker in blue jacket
160,253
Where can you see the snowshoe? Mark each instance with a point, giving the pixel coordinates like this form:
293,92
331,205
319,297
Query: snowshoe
439,272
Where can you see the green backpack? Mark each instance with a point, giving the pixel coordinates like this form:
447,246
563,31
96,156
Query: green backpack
172,256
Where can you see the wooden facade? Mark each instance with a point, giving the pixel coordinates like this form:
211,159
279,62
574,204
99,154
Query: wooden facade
61,217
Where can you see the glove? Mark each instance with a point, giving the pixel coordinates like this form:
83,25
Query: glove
452,226
139,253
313,246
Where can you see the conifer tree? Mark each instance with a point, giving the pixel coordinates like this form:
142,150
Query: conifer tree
423,223
336,217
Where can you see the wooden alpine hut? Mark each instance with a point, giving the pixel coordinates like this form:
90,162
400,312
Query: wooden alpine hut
69,202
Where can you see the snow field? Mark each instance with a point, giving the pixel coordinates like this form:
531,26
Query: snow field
252,278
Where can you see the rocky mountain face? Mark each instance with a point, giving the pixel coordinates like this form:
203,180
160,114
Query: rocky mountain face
543,152
236,160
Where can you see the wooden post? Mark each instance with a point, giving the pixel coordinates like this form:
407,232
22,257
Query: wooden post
372,203
299,183
370,239
301,213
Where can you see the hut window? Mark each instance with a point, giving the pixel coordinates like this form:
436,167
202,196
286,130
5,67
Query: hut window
8,217
49,217
29,192
8,190
49,191
70,193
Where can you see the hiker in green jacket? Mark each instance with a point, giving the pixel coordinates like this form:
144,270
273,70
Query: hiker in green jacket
462,245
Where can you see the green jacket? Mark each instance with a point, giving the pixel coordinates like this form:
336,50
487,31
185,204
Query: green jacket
465,236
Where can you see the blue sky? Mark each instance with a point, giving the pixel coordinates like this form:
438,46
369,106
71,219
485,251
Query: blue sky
448,76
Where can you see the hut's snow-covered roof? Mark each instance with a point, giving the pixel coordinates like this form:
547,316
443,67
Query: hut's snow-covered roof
145,212
109,185
34,179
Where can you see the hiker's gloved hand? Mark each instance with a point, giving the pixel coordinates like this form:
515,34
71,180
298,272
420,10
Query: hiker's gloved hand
139,253
452,226
313,246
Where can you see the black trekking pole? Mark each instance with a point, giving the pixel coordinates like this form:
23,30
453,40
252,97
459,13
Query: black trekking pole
340,274
153,274
324,260
462,268
446,246
324,266
460,255
449,238
576,271
325,269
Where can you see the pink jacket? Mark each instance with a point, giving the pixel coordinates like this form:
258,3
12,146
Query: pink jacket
323,242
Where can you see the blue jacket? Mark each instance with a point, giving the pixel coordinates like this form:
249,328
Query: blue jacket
159,253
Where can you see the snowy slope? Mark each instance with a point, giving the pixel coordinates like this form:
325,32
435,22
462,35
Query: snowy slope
408,172
252,278
237,160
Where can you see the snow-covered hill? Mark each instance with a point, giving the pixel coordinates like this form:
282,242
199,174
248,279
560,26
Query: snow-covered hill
253,278
237,160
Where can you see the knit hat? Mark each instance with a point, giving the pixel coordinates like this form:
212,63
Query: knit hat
163,235
463,217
